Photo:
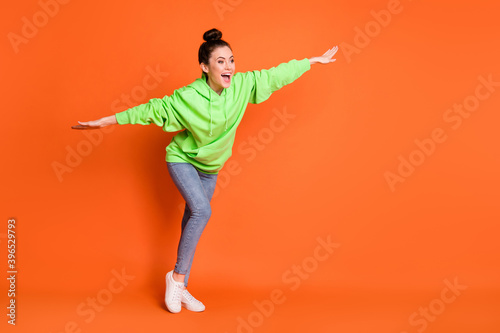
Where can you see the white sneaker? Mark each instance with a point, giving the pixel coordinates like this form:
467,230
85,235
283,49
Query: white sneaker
173,293
191,303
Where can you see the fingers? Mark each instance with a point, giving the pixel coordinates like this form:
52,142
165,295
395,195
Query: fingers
79,127
331,52
82,125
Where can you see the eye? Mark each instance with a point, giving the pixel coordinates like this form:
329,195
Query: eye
232,61
220,62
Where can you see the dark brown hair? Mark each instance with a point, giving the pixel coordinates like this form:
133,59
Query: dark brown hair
212,41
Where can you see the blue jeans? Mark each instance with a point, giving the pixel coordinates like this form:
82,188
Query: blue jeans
197,189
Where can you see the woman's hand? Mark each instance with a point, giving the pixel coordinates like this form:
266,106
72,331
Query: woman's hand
96,124
325,58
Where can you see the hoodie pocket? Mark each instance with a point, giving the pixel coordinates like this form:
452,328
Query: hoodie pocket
215,153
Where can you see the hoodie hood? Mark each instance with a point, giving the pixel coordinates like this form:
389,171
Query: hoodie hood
203,89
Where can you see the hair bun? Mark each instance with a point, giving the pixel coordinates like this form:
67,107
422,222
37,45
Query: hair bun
212,34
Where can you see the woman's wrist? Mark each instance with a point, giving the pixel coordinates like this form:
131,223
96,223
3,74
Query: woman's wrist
314,60
106,121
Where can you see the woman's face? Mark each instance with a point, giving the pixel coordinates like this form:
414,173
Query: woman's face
220,69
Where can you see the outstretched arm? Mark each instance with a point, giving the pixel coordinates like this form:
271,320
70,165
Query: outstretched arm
267,81
325,58
96,124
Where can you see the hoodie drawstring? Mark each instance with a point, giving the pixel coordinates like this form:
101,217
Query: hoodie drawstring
210,110
225,112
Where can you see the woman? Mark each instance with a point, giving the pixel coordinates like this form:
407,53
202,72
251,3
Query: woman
207,112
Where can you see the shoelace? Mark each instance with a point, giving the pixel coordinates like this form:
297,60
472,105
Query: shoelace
189,297
177,294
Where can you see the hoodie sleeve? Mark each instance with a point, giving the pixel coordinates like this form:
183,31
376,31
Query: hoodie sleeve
267,81
159,111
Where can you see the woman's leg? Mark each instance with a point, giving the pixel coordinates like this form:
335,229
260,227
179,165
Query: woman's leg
197,189
208,182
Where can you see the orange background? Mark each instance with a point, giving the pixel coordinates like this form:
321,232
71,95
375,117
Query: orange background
322,175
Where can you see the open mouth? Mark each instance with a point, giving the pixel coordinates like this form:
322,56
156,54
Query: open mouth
226,77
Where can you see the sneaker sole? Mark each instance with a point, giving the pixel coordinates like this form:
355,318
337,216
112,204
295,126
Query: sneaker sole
184,305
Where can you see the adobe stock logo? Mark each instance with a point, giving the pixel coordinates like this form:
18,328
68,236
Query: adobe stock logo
250,148
293,277
372,29
426,147
223,6
88,310
75,155
420,319
30,28
253,145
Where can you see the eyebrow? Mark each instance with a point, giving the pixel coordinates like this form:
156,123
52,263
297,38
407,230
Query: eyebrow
224,58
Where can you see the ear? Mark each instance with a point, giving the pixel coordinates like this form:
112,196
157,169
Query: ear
204,67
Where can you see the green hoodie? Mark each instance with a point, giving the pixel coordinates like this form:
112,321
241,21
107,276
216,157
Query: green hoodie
208,121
